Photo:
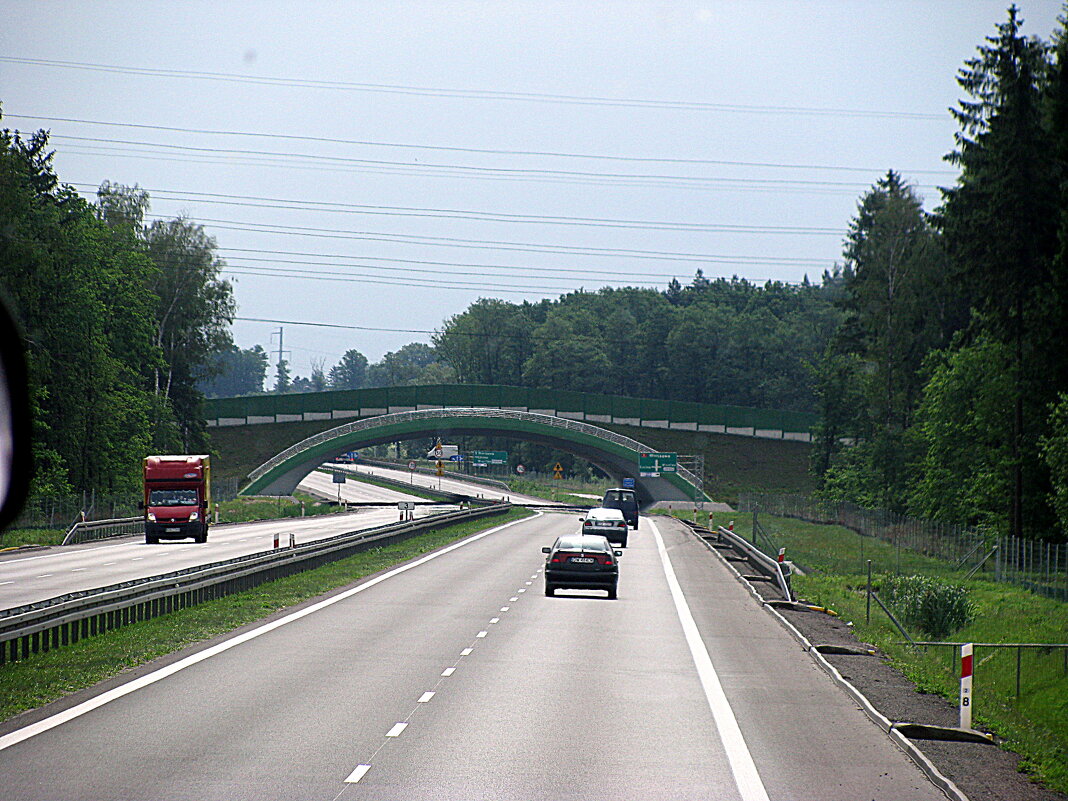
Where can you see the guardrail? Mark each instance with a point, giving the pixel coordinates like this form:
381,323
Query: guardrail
778,571
89,530
66,619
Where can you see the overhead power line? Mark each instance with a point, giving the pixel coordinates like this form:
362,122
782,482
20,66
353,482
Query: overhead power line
479,150
732,258
488,244
293,204
476,94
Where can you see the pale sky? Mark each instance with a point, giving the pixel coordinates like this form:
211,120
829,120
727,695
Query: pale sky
740,136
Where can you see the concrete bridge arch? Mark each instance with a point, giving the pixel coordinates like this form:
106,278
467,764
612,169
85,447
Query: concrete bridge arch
614,453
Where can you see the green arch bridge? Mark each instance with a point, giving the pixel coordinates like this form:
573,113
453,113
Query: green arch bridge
614,453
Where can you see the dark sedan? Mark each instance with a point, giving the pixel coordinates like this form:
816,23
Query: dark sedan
582,562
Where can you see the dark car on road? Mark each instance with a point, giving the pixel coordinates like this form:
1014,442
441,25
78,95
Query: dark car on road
581,562
626,501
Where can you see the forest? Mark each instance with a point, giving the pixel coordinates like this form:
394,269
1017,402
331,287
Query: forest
934,353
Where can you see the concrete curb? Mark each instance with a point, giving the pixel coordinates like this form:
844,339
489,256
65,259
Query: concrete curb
914,753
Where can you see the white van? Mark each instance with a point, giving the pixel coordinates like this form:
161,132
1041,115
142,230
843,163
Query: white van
609,523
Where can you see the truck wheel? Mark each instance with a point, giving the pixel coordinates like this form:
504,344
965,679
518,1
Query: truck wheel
201,537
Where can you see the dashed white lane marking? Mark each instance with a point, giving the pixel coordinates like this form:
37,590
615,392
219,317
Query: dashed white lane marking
750,786
46,575
425,697
448,671
357,774
396,730
528,584
107,564
505,608
2,583
524,589
482,634
514,598
78,569
494,620
58,719
137,559
466,652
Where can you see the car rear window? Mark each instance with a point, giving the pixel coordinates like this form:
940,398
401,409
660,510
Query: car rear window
619,496
570,544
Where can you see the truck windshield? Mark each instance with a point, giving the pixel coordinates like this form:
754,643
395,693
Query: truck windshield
172,497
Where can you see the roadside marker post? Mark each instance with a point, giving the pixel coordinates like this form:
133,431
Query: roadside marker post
966,685
276,539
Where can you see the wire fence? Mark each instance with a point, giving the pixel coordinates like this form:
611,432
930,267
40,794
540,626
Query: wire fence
62,512
1038,565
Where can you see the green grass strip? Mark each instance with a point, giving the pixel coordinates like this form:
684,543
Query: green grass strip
42,678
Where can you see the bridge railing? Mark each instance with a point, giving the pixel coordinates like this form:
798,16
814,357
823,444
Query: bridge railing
583,406
433,414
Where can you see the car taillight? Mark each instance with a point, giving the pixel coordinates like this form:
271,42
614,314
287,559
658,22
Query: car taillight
588,523
621,524
606,560
561,556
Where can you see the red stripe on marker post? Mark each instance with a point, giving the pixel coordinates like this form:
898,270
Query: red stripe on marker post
966,685
782,555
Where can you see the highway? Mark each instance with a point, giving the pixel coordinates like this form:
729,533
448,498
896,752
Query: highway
449,484
454,677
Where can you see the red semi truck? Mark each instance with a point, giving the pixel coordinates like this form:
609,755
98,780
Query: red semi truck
177,497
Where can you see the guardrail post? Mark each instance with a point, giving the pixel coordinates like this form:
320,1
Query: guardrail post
867,611
1019,655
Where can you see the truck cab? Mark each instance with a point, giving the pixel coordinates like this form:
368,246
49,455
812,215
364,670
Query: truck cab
177,497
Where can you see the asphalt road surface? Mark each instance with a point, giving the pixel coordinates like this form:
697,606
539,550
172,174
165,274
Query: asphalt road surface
26,577
454,677
450,484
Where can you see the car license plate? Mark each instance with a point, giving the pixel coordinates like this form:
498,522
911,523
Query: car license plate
585,560
174,530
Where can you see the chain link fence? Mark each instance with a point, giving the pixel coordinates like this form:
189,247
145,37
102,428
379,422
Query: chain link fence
1040,566
62,512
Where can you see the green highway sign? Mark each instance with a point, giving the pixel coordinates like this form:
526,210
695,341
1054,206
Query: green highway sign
490,457
651,465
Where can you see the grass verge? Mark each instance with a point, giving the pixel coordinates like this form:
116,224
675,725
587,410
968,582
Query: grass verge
300,504
1034,726
45,677
18,537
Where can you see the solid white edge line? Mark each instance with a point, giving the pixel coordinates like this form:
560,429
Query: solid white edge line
746,777
41,726
357,774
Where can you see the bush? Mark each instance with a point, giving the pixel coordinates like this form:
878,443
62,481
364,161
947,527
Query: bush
933,606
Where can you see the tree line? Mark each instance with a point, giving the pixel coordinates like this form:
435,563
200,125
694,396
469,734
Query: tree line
943,391
119,319
723,341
